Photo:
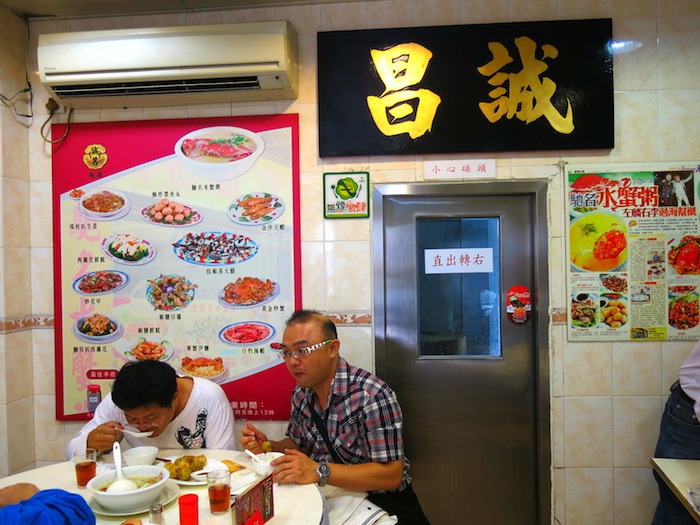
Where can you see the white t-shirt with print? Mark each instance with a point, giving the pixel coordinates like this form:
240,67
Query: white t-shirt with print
205,422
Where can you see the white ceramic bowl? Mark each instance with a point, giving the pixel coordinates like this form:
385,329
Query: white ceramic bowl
140,455
133,500
224,170
261,463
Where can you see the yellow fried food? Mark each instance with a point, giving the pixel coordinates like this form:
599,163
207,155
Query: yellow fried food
183,466
198,463
267,446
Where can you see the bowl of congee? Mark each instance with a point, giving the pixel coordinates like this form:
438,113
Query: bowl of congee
219,153
598,242
149,479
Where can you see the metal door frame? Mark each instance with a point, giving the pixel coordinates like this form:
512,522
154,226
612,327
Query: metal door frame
538,190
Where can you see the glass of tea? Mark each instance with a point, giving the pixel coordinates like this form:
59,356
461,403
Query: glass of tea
85,466
219,484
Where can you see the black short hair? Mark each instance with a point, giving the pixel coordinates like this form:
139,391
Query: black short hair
314,316
142,383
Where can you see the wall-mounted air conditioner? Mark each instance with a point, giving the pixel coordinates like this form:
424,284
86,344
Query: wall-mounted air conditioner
170,65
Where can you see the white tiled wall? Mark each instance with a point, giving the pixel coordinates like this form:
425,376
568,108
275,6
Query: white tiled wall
606,398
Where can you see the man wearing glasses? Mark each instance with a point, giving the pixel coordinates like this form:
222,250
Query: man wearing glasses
346,424
151,405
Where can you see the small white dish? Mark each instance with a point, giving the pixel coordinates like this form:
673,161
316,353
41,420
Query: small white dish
261,464
144,455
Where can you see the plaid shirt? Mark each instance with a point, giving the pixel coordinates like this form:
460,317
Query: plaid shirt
363,418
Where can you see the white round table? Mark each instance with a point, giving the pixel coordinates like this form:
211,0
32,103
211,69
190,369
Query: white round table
293,504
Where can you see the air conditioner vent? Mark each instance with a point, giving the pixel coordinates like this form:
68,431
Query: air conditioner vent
164,87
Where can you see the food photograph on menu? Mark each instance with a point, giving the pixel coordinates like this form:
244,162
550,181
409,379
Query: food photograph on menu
178,241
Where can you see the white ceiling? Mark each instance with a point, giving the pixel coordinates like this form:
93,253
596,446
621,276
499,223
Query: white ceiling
78,8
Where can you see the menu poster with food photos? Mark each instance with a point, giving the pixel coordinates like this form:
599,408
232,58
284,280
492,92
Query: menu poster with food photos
633,252
177,240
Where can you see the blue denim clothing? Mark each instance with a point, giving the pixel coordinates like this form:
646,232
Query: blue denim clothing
679,437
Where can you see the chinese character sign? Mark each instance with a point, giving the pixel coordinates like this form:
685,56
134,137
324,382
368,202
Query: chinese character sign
346,195
633,249
459,260
490,87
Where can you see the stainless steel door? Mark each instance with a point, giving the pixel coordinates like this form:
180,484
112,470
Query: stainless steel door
466,356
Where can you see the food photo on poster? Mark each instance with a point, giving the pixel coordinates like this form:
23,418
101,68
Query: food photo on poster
178,241
633,247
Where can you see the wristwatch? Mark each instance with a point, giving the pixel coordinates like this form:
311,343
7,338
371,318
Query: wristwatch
323,471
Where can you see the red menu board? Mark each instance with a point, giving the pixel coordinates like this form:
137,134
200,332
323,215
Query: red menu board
177,240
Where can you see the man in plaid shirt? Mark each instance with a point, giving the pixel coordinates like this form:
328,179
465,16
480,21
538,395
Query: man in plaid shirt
346,424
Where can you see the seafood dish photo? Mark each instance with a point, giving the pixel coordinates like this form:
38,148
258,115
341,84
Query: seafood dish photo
220,153
246,333
145,350
598,242
685,256
170,213
683,311
215,248
584,310
97,328
100,282
248,291
206,367
255,208
128,249
170,292
218,147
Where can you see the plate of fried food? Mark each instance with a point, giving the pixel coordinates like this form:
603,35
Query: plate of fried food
181,468
167,212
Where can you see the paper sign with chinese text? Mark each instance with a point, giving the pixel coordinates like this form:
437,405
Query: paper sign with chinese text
633,251
459,260
466,88
177,240
460,169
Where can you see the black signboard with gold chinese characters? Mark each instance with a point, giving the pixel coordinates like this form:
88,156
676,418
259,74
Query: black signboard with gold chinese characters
468,88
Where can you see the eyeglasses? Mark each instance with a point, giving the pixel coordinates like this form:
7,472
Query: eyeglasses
303,352
147,423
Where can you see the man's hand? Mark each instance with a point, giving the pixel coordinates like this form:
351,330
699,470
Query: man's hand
294,467
13,494
252,439
104,436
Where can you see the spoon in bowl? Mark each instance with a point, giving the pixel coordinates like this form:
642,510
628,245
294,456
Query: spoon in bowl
121,484
254,456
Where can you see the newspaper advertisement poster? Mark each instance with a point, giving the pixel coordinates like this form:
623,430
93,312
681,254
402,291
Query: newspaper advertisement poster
633,252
